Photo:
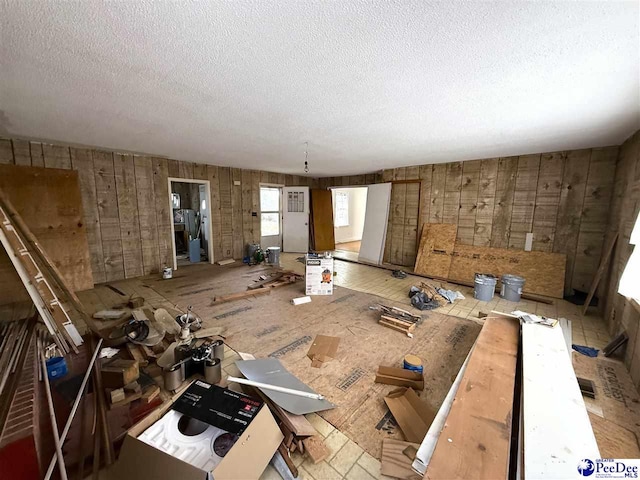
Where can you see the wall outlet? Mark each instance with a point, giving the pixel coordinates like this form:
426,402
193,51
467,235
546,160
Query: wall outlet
236,183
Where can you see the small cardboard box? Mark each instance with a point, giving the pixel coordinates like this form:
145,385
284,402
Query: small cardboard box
413,416
323,349
318,275
247,459
400,377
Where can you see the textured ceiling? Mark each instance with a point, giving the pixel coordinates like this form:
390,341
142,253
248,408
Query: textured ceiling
369,84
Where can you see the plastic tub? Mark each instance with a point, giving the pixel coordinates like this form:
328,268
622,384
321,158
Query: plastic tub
413,363
511,287
485,286
56,367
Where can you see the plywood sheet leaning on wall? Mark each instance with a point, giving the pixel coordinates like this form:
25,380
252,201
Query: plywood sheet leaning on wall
475,441
50,203
543,272
436,247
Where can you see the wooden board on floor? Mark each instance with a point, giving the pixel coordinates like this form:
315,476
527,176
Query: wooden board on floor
475,441
543,272
394,462
322,220
550,391
436,247
50,203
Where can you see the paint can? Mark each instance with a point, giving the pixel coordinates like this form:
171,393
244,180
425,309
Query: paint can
485,287
167,273
273,255
511,287
413,363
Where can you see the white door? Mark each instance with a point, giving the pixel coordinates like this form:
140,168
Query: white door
375,223
270,216
295,223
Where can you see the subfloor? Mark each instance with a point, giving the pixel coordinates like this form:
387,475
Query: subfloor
270,326
349,246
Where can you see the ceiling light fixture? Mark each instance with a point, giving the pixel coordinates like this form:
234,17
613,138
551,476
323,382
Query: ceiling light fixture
306,157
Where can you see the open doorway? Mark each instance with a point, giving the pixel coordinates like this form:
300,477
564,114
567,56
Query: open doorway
191,225
349,209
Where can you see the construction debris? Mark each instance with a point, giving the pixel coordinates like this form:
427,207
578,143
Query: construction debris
397,318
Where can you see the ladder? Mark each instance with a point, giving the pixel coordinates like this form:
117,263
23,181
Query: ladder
39,287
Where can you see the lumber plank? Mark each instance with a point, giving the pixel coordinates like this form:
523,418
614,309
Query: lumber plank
315,449
475,440
241,295
394,463
552,447
604,264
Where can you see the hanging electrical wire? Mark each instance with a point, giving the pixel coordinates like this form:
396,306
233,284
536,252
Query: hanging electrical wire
306,157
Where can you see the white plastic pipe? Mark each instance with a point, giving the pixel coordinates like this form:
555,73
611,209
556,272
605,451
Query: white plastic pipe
275,388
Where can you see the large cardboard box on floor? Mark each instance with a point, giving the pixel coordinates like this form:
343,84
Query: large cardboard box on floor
246,459
318,275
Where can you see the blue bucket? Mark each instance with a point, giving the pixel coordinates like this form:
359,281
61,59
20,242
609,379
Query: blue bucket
56,367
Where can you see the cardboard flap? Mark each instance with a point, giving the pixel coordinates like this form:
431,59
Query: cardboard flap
413,416
138,460
323,349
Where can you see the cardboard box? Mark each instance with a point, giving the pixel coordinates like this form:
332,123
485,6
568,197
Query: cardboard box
318,275
323,349
413,416
400,377
259,438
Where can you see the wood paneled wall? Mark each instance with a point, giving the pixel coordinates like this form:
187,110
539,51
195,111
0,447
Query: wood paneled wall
563,198
126,203
622,313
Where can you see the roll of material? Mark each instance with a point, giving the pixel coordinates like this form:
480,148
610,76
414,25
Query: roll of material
213,371
218,350
412,362
301,300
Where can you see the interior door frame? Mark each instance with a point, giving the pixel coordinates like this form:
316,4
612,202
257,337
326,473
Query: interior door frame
281,206
173,231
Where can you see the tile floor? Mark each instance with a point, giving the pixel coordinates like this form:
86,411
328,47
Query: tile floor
587,330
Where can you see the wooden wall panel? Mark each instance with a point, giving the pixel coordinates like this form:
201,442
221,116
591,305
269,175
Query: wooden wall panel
426,172
236,213
505,189
37,154
128,215
570,208
146,211
164,216
524,199
620,313
438,179
6,152
56,156
216,219
226,212
452,187
486,202
56,219
468,201
548,192
21,152
82,161
108,215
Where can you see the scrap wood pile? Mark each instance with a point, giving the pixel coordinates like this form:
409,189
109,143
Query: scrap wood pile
397,318
262,286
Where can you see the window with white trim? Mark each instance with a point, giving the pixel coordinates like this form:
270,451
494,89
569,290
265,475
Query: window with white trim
630,281
342,210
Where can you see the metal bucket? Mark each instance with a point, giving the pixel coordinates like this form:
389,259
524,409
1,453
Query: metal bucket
252,248
511,287
485,286
273,255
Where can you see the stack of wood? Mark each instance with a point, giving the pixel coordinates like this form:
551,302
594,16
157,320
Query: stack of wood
299,434
275,280
397,318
